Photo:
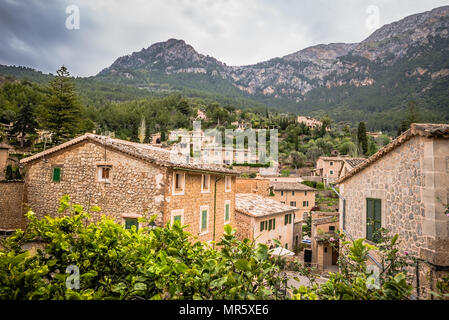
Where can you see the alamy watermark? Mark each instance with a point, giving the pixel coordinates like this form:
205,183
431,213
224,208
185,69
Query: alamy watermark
210,147
73,280
372,22
72,22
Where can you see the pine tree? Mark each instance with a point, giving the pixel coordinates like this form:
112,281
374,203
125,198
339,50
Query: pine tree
64,110
26,120
362,137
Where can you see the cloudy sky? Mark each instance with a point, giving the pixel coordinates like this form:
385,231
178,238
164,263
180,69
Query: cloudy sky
33,33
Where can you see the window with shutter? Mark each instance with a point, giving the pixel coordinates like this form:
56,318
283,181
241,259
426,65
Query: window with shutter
56,174
270,224
286,219
373,217
261,226
203,221
227,211
131,222
274,224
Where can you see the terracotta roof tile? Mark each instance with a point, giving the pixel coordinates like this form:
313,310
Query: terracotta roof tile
290,186
153,154
258,206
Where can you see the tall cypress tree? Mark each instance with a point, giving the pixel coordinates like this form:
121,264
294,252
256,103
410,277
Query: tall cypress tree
362,137
64,110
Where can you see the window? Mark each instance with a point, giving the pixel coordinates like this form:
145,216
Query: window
205,183
282,193
227,211
286,246
262,226
331,228
228,183
332,163
293,203
131,222
270,224
373,217
283,202
177,215
204,217
293,193
178,183
56,174
332,172
104,173
305,203
305,193
287,219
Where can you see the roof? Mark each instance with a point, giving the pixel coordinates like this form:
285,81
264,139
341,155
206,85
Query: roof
290,186
4,146
427,130
145,152
354,162
258,206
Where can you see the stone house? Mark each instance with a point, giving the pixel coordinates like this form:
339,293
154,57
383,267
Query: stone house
324,239
130,180
294,194
404,188
310,122
263,219
329,168
258,186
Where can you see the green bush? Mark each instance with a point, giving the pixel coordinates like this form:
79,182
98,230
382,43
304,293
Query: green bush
115,263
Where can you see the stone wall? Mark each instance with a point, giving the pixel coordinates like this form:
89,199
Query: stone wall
11,205
135,189
193,199
412,182
244,225
255,186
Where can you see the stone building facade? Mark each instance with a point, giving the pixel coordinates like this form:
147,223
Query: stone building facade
11,206
264,220
328,168
128,181
256,186
406,186
324,241
4,150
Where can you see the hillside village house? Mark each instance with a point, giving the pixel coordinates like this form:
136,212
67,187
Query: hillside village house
310,122
294,194
128,181
404,188
324,240
263,219
4,152
329,168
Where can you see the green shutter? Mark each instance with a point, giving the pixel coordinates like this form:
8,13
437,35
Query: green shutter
369,218
261,226
270,224
227,212
203,220
177,218
274,224
289,218
56,174
286,219
131,222
377,214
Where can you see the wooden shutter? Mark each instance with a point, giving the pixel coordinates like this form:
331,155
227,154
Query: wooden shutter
56,174
131,222
203,220
227,212
377,214
270,224
274,224
373,217
289,218
286,219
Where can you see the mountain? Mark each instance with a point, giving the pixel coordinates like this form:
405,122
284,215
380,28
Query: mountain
402,60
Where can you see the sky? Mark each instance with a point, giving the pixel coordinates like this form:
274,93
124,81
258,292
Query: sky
88,35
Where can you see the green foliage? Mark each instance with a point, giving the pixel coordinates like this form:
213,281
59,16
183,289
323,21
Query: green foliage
116,263
362,138
355,281
285,172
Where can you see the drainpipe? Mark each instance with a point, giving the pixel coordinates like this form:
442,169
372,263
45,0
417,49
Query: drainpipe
215,207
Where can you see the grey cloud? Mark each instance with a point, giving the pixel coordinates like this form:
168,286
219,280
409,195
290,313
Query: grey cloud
236,32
